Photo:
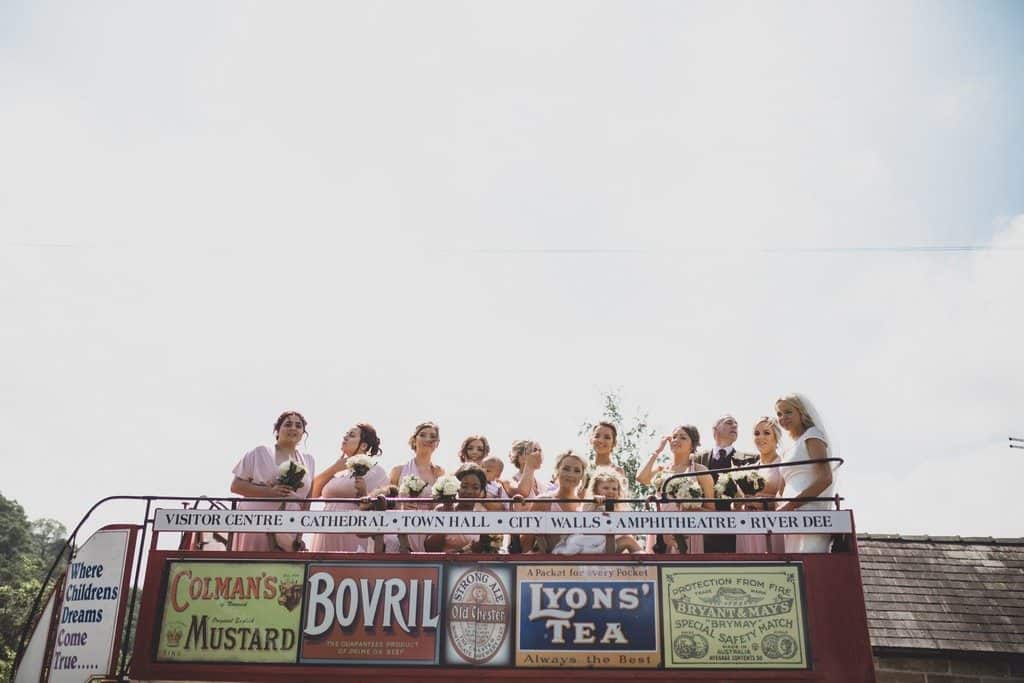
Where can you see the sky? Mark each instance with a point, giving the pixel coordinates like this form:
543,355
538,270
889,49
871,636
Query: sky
490,214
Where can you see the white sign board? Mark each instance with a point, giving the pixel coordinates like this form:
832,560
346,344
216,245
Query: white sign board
422,521
87,625
31,665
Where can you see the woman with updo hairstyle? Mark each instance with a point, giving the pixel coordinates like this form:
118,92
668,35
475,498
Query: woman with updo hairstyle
256,476
340,481
811,477
527,457
767,436
683,443
474,449
569,470
423,442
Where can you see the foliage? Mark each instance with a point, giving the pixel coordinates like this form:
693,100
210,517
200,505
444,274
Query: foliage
28,550
632,432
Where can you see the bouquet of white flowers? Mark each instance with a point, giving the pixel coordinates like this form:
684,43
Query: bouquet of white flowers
726,486
360,464
446,488
750,481
658,479
411,486
291,474
683,491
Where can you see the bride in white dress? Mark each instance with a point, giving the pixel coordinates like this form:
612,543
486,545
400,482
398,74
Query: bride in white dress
813,480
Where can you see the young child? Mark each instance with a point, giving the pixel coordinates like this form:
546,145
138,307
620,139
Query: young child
606,484
493,467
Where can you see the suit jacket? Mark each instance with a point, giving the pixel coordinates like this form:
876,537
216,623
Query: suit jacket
738,458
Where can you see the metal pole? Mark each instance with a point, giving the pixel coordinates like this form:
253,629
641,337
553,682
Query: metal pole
122,670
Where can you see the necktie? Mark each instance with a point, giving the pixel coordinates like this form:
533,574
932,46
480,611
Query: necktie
721,453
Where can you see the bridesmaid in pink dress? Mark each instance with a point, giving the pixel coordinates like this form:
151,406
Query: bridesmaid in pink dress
683,442
256,476
570,469
423,442
338,481
766,437
472,486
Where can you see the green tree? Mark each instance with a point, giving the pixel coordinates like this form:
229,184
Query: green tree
29,548
633,431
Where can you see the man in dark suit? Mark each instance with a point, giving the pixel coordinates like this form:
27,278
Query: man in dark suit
723,456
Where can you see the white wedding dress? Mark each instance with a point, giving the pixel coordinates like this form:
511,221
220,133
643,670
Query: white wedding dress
798,478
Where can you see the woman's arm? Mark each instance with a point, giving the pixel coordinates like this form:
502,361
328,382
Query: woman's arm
816,453
645,475
395,478
251,489
525,488
707,486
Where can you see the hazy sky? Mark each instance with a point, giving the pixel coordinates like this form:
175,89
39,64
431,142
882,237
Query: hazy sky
487,214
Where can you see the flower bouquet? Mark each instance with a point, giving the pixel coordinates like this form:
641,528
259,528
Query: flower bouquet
750,482
726,486
685,492
658,480
411,486
292,474
446,488
360,464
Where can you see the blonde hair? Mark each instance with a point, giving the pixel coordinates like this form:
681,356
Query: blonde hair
795,401
517,452
419,428
773,423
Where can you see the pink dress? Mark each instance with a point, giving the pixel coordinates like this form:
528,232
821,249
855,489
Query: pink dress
344,486
416,540
454,542
758,543
694,544
260,466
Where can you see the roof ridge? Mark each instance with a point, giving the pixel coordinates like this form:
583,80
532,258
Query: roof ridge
962,540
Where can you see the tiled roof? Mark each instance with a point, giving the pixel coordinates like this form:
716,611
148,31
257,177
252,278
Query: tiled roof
944,592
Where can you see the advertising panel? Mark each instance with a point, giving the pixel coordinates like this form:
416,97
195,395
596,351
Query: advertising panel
577,615
364,613
478,615
88,625
731,616
241,612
